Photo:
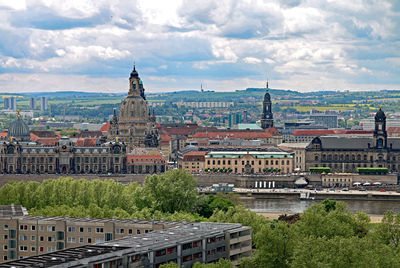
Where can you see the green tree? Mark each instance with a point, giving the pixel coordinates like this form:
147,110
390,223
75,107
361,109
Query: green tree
388,231
221,263
275,243
172,191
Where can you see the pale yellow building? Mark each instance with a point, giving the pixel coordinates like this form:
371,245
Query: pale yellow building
193,162
299,151
249,161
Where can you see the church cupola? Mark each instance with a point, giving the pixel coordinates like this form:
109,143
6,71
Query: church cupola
380,134
134,73
135,84
267,119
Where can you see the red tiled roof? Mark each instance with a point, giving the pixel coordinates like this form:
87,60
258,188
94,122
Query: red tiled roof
42,134
47,141
322,132
234,134
145,157
86,142
177,129
195,156
393,129
105,127
3,135
165,138
88,134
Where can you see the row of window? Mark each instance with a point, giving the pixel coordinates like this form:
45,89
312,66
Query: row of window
267,162
52,228
42,160
349,157
148,160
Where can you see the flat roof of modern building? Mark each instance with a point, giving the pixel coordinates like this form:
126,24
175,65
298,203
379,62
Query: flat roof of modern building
12,211
95,220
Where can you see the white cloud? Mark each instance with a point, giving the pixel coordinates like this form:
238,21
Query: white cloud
175,42
13,4
251,60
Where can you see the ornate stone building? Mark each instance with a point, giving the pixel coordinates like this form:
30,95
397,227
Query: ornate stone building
267,119
18,130
135,126
347,153
31,158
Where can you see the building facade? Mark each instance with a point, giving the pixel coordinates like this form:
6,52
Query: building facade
44,104
23,236
184,245
249,162
193,162
347,153
299,154
32,103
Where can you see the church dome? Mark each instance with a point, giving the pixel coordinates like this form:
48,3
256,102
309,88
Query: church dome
18,129
380,115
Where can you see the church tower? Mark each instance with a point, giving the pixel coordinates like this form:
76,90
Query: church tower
113,131
380,134
135,125
267,119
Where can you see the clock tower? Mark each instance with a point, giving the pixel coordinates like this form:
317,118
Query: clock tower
267,119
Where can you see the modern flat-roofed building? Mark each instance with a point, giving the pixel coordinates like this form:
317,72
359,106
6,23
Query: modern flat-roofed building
185,245
24,236
44,104
12,211
328,120
32,103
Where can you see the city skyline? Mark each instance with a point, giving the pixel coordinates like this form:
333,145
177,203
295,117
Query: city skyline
178,45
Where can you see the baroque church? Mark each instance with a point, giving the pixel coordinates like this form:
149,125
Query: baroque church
347,153
134,126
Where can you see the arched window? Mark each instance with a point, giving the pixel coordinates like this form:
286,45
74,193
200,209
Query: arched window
379,143
316,157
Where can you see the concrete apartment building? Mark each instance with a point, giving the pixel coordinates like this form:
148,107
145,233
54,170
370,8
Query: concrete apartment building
185,245
22,236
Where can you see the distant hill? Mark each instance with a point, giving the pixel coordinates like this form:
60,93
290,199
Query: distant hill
277,92
65,94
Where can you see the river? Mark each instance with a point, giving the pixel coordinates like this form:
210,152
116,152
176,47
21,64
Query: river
298,206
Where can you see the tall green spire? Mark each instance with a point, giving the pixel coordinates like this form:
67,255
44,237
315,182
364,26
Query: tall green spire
266,88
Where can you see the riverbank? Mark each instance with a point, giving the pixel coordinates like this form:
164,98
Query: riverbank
275,215
376,194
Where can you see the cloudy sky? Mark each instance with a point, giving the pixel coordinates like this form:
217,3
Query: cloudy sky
49,45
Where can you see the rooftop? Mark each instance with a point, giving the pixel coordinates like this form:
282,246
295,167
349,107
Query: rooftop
139,244
12,211
93,220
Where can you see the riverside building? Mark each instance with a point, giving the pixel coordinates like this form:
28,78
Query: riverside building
347,153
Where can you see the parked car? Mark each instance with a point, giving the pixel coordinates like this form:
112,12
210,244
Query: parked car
345,189
382,190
